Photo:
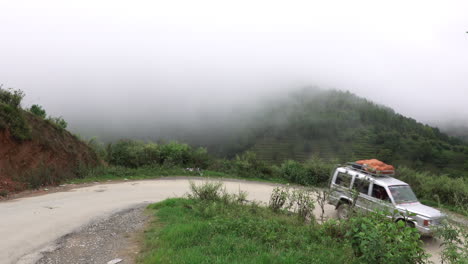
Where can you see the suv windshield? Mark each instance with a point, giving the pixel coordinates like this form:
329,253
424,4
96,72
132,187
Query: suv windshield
402,194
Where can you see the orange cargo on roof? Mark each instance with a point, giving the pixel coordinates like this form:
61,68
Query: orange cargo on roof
377,166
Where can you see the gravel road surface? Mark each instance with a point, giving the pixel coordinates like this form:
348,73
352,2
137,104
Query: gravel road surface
32,227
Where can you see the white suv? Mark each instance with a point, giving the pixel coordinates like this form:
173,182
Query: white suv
380,192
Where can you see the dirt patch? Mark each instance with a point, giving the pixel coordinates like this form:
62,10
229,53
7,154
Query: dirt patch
116,237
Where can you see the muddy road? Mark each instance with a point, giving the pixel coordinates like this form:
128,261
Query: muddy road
31,225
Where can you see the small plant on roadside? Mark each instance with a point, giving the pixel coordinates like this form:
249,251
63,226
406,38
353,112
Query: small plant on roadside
206,191
214,191
321,197
302,202
278,198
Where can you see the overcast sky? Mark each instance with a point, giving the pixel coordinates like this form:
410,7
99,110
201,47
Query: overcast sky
112,61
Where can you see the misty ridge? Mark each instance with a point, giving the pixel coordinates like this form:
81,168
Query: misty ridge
208,119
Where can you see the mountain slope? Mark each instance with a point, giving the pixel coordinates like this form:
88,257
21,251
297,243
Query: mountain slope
341,126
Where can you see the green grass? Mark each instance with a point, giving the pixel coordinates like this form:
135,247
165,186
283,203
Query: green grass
117,173
194,231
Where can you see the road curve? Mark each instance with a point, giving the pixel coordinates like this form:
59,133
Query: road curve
31,225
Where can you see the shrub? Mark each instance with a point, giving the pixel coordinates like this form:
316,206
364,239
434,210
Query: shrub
59,122
248,165
38,111
13,119
294,171
200,158
126,153
453,191
318,171
131,153
214,191
298,200
11,97
278,198
377,239
455,243
302,201
313,172
175,153
206,191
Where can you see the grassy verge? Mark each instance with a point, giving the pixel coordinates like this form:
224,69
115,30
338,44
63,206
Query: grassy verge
117,173
195,231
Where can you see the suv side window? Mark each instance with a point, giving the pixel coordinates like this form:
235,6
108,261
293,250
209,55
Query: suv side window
343,179
361,185
379,192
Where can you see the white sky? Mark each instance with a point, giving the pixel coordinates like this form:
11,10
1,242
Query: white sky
117,60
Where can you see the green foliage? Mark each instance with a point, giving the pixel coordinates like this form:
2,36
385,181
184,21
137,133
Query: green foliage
214,191
377,239
58,122
455,243
294,171
298,200
278,198
249,166
38,111
207,191
453,191
13,119
314,172
11,114
302,202
11,97
133,154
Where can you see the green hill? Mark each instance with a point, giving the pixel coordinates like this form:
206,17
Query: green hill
341,126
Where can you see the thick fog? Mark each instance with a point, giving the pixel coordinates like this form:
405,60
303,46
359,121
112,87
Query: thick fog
132,68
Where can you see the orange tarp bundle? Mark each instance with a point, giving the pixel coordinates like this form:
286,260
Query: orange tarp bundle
374,165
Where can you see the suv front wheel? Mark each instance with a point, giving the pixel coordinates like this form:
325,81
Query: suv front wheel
344,210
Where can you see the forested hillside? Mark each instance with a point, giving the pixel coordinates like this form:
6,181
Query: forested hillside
341,126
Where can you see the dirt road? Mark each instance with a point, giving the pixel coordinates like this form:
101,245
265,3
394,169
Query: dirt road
31,225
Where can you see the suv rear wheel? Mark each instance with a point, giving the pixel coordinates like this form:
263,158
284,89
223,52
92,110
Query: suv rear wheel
344,210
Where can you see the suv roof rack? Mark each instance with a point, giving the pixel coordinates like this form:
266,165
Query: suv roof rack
378,173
